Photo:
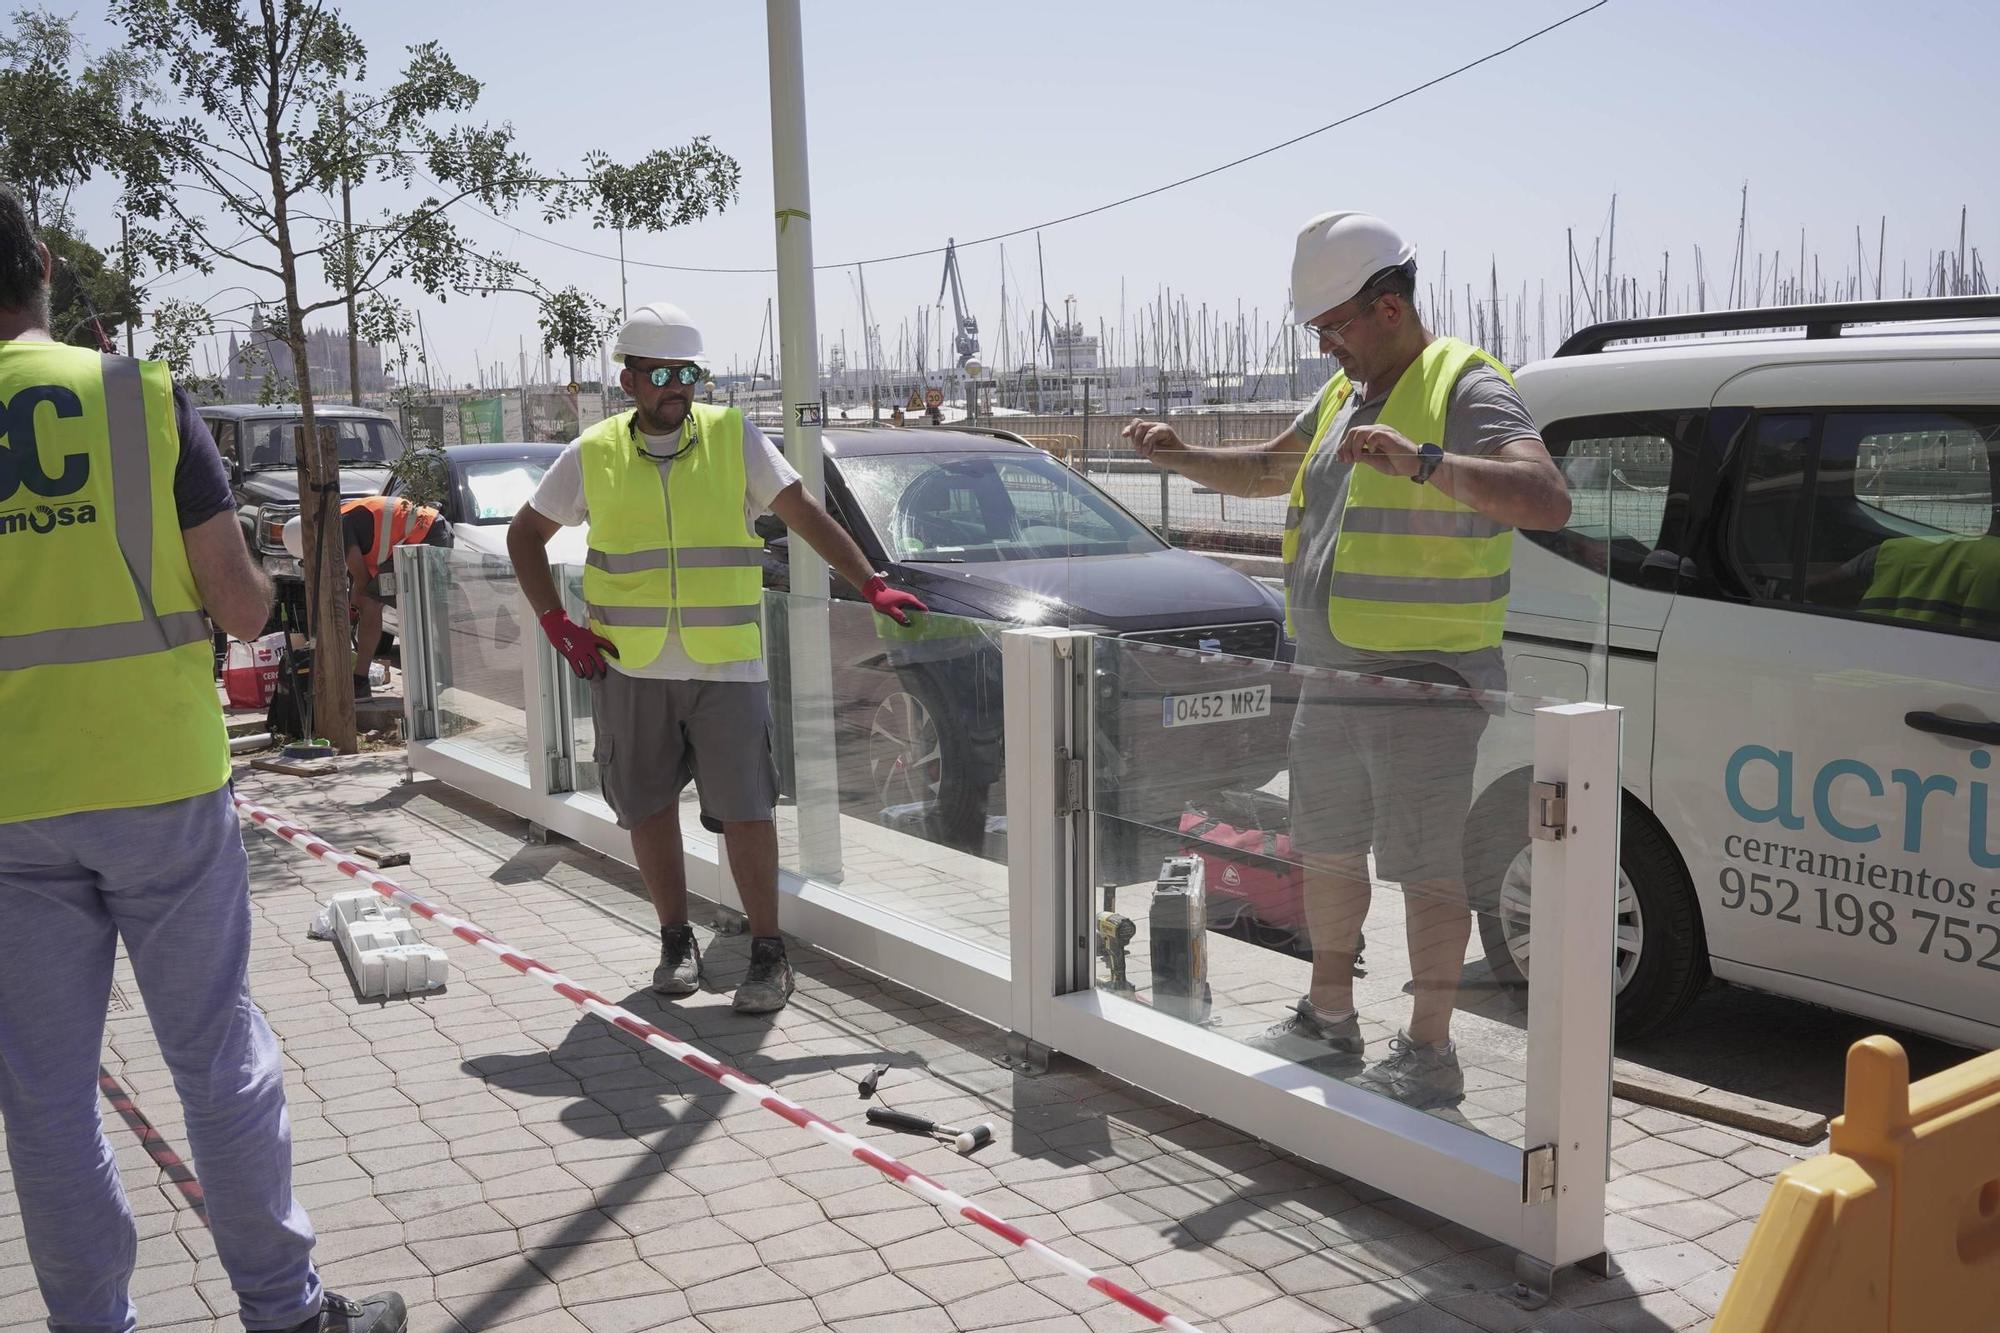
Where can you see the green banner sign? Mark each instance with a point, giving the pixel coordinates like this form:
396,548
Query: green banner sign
481,420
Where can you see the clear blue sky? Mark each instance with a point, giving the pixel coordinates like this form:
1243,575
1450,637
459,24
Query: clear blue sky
932,120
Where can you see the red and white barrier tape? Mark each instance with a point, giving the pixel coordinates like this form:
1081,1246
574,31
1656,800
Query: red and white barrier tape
916,1182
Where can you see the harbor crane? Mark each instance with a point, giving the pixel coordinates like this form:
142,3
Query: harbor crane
965,335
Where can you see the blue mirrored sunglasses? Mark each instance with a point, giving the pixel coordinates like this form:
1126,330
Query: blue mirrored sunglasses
662,376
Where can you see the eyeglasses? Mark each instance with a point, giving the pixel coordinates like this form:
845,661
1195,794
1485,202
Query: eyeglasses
661,376
1336,331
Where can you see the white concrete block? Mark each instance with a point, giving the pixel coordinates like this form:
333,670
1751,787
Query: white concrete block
381,944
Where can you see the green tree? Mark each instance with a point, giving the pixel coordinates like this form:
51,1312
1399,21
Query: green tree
86,293
64,115
279,119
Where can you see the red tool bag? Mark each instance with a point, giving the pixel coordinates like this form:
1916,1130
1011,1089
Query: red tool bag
1251,868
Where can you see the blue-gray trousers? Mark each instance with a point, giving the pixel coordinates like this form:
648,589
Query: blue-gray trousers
173,883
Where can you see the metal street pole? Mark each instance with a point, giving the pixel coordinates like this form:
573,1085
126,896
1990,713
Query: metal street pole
815,771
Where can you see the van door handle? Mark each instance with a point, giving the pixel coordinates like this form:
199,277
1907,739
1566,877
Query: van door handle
1937,724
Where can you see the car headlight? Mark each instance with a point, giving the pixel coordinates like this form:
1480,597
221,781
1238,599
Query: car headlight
271,529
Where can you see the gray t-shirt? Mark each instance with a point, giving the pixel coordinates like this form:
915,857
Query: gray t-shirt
1484,413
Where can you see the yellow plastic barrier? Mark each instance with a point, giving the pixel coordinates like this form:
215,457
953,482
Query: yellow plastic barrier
1897,1228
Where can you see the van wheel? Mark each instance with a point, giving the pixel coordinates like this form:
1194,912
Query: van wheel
1661,963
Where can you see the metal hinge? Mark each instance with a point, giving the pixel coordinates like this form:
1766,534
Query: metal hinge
1538,1175
1069,784
1548,811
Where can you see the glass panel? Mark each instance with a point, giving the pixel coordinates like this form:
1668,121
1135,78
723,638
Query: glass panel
1320,848
476,665
1257,825
916,719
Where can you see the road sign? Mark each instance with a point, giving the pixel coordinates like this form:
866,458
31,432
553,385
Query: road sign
933,397
916,403
575,388
807,414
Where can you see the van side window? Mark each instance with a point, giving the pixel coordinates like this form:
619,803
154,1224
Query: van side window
1880,514
1627,475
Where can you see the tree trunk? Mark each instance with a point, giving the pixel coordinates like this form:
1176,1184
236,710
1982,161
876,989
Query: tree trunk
319,510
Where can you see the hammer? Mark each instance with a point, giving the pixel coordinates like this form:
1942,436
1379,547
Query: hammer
962,1141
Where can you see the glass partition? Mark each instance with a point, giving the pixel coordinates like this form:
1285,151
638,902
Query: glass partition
1314,838
919,796
473,648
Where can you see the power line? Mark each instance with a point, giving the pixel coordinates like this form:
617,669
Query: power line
1100,208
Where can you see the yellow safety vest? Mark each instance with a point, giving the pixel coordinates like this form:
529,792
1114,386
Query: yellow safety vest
672,555
1950,582
1413,569
107,680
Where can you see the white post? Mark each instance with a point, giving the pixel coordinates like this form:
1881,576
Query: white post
1038,668
813,763
1572,920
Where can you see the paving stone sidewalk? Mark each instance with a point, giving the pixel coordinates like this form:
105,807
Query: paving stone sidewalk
508,1162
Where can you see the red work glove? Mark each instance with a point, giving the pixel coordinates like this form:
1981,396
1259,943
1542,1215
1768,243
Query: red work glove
580,647
889,602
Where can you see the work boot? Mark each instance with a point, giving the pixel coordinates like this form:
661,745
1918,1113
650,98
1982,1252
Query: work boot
1418,1076
768,983
384,1312
1308,1036
679,972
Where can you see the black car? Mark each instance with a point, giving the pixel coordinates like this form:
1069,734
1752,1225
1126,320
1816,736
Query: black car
992,534
259,446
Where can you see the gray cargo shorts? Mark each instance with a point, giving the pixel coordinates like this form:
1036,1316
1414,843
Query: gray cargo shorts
1393,776
656,736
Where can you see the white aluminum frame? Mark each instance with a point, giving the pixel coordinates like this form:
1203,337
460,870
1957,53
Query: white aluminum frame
1042,990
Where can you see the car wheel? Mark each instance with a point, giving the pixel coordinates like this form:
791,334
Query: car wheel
918,764
1661,959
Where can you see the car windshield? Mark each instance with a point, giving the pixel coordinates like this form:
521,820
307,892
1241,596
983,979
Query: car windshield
497,489
981,507
362,442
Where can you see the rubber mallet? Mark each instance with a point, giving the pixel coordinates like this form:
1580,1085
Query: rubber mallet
961,1140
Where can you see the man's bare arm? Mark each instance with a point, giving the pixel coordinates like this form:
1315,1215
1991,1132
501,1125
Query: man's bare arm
235,593
1517,484
1248,470
528,547
809,521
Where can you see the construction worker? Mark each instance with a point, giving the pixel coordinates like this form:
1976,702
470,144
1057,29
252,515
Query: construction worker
371,528
1407,477
118,544
674,586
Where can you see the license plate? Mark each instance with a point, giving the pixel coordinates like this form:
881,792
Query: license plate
1194,710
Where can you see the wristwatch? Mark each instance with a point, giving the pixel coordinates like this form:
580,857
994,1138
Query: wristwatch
1430,455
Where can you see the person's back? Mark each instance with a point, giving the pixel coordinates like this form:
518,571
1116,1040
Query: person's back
118,543
102,636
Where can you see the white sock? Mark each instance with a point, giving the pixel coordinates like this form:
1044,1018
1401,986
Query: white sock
1329,1016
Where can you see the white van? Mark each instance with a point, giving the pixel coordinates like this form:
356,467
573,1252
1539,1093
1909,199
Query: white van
1811,728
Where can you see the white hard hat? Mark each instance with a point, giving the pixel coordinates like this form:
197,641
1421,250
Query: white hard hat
1337,254
658,332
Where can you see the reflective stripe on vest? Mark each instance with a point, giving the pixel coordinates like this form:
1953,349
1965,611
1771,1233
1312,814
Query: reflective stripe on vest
669,550
102,639
1331,399
1413,569
1950,582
